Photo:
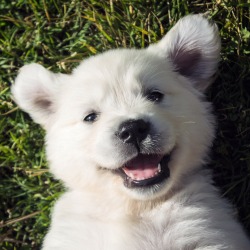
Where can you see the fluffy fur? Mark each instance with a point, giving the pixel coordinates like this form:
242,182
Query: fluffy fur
98,211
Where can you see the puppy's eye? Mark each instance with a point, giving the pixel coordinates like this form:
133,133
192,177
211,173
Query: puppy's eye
91,117
155,96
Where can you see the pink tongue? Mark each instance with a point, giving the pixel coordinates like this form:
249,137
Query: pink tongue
142,167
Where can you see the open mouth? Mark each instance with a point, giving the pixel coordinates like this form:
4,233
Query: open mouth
145,170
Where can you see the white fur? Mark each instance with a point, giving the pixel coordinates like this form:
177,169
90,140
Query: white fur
97,211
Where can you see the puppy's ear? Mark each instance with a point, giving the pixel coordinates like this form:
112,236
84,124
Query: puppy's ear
35,91
193,47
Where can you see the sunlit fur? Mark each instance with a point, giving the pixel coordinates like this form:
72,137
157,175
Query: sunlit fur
98,211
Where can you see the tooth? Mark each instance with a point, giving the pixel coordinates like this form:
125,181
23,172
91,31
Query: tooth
131,175
159,167
139,179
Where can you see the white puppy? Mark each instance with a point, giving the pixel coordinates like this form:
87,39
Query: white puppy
128,132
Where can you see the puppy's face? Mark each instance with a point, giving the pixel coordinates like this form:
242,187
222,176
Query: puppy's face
128,120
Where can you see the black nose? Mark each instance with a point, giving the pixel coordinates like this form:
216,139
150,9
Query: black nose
133,131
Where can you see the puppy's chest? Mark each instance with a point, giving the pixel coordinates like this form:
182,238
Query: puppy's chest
149,235
113,229
142,233
149,231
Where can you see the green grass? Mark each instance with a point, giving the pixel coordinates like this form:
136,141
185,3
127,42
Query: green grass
59,34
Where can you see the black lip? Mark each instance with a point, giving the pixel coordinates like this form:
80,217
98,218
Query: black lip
164,174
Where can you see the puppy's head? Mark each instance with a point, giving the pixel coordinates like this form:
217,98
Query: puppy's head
128,120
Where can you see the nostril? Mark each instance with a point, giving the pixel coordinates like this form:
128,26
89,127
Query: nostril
124,135
142,129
